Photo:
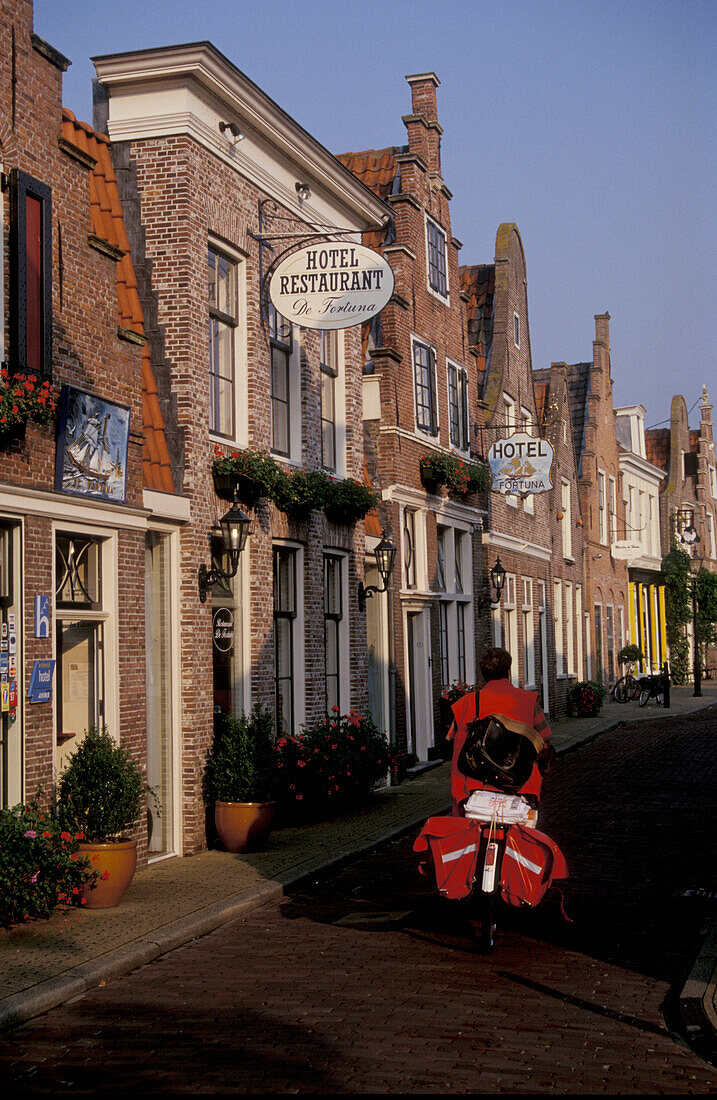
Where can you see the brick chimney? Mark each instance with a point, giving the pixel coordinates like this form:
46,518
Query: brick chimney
424,130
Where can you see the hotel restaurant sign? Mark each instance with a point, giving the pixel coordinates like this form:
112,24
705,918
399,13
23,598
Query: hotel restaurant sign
331,285
521,464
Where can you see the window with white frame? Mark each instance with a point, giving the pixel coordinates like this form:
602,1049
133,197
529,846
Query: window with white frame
329,363
711,532
424,368
285,637
223,324
334,622
510,618
558,621
455,608
458,406
510,425
613,510
610,641
528,632
566,522
516,330
84,581
602,507
599,671
280,342
713,481
569,627
410,555
579,630
436,254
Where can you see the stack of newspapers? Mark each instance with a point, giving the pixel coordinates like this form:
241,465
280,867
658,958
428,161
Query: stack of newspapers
507,809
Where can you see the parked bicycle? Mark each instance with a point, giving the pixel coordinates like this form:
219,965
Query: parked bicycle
652,687
627,687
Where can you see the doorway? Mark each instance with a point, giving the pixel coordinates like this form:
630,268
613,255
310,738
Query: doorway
420,696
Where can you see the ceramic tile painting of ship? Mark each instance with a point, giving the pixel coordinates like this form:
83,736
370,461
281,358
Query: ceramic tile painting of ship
92,440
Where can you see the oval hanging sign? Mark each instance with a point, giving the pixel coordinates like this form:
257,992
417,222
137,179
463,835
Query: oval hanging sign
223,629
331,285
521,464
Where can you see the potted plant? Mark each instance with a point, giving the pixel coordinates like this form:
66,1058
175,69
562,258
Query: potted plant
239,779
586,697
23,398
631,653
101,794
253,474
347,501
297,493
447,698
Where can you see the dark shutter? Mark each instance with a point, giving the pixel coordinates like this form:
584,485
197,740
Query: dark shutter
30,276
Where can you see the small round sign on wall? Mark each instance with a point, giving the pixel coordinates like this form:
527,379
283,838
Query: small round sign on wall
331,285
223,629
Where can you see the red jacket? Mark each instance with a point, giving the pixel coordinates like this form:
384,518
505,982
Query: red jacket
495,697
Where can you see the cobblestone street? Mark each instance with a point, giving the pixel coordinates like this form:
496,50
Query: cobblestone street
366,983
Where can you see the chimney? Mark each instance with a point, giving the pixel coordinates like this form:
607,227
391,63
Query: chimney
602,329
424,130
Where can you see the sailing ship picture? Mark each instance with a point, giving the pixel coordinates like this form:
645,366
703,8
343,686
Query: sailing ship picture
93,435
521,464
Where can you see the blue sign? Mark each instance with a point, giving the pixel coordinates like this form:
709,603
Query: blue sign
40,689
42,616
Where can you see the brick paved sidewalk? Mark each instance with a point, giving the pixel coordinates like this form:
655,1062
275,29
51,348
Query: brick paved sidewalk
45,963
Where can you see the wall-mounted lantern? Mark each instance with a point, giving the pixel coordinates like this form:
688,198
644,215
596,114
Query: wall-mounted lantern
497,580
232,529
385,558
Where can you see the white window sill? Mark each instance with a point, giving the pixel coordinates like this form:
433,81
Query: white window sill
568,560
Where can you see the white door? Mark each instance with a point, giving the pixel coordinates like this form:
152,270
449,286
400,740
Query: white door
419,701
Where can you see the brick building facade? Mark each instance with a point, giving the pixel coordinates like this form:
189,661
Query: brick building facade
218,177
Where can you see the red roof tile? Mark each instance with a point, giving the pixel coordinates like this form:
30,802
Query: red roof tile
108,223
657,449
479,284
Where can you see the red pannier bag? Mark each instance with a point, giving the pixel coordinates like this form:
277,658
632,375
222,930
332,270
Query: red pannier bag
453,843
531,862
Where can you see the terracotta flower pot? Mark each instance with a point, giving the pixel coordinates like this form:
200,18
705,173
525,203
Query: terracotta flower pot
243,826
117,860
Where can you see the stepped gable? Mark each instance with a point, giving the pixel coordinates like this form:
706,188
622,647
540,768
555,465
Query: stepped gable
478,283
578,389
108,224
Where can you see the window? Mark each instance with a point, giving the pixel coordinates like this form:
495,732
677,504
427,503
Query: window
409,548
511,626
11,714
333,617
559,634
526,426
602,507
284,640
161,680
31,275
453,578
599,670
711,531
437,271
566,523
329,359
579,629
509,421
613,511
223,321
82,581
528,633
516,330
281,412
458,406
610,638
569,626
424,364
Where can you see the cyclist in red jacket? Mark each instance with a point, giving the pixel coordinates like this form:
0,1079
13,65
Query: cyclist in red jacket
497,696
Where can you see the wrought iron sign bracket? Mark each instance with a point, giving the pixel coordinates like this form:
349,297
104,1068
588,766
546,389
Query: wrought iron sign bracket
268,211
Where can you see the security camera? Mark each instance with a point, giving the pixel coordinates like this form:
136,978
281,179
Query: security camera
233,130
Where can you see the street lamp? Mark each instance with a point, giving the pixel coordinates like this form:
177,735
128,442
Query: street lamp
232,529
385,556
695,566
497,579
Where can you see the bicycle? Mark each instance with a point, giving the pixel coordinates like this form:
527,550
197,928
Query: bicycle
652,687
627,687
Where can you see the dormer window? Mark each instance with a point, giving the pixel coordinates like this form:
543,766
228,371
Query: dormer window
437,267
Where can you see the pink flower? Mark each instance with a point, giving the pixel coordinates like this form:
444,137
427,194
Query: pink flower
31,833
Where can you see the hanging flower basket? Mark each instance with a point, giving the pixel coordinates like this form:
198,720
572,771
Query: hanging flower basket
347,501
297,494
253,474
224,485
23,397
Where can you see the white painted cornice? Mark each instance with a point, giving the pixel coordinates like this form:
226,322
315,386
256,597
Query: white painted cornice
214,90
441,506
70,509
167,506
502,541
630,463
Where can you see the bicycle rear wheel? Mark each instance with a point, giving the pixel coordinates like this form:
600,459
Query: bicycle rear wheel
621,692
644,696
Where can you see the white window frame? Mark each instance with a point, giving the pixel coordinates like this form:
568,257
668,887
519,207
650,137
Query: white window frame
339,401
526,422
420,566
558,627
510,616
295,398
434,291
457,543
241,390
602,507
462,410
612,509
298,633
433,430
579,630
343,640
569,626
516,329
509,420
526,584
566,523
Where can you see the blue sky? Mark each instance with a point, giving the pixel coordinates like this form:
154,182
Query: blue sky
589,123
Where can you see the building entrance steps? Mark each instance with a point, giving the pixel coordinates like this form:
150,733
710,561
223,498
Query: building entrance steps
45,963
